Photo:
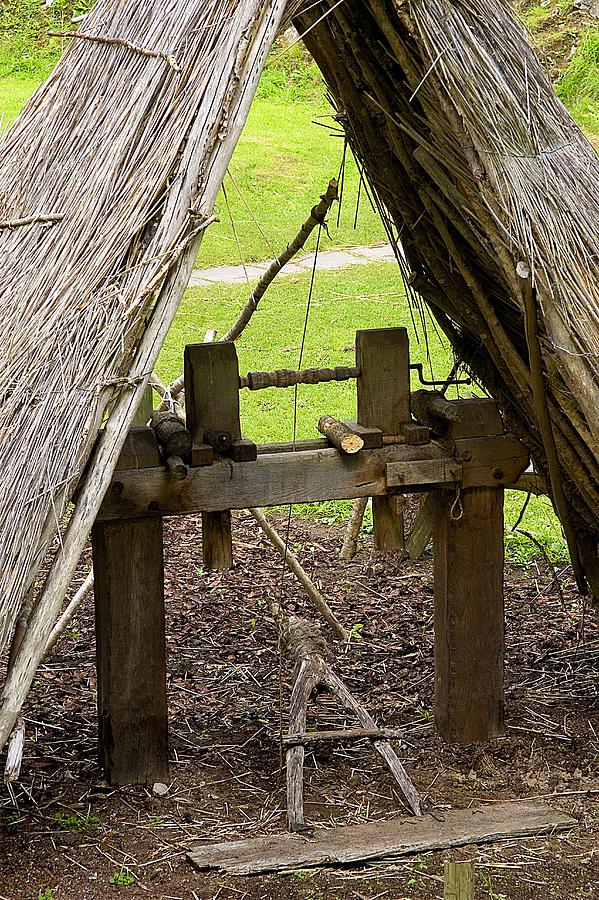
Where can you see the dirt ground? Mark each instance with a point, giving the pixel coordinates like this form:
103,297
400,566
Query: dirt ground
65,835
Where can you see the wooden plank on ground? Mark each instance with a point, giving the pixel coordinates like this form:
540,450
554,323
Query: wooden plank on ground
380,840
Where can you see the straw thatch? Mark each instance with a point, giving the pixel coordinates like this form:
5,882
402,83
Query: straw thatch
106,182
493,193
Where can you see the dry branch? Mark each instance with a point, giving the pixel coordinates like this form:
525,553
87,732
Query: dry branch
306,582
316,217
305,646
340,435
41,218
120,42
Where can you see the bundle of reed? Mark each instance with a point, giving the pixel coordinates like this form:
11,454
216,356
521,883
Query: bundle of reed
493,192
107,181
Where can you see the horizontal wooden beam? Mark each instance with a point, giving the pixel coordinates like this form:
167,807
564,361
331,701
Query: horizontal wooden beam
276,479
273,479
496,461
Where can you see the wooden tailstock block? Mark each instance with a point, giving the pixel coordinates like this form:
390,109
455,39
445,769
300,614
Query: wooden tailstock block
383,388
469,616
130,650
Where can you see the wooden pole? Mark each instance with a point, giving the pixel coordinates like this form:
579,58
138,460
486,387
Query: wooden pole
217,545
459,881
130,639
469,618
130,651
383,388
302,576
350,542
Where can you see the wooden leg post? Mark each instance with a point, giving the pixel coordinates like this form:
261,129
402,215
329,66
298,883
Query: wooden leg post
129,592
383,390
459,881
130,640
469,617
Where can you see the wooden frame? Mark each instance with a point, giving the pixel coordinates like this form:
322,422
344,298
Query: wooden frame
467,470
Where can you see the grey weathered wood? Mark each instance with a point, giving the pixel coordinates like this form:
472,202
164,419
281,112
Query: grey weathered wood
140,450
297,446
382,747
305,645
244,451
459,881
390,839
345,735
383,395
308,676
422,529
469,617
424,472
212,404
217,542
388,523
275,479
383,386
477,416
499,460
144,410
272,480
130,651
212,389
350,542
372,437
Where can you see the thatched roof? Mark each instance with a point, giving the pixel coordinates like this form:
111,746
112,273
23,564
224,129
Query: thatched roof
106,181
482,176
477,168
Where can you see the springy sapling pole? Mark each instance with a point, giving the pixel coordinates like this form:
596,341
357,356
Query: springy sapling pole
316,217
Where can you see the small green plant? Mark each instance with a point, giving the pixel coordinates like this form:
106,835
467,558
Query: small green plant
356,632
300,874
75,823
424,714
46,894
122,879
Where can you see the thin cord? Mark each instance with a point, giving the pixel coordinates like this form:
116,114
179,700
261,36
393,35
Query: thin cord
288,528
235,235
295,388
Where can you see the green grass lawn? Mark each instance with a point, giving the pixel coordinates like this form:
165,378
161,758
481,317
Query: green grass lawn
15,91
283,162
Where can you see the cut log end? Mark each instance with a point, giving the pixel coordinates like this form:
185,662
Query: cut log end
340,435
